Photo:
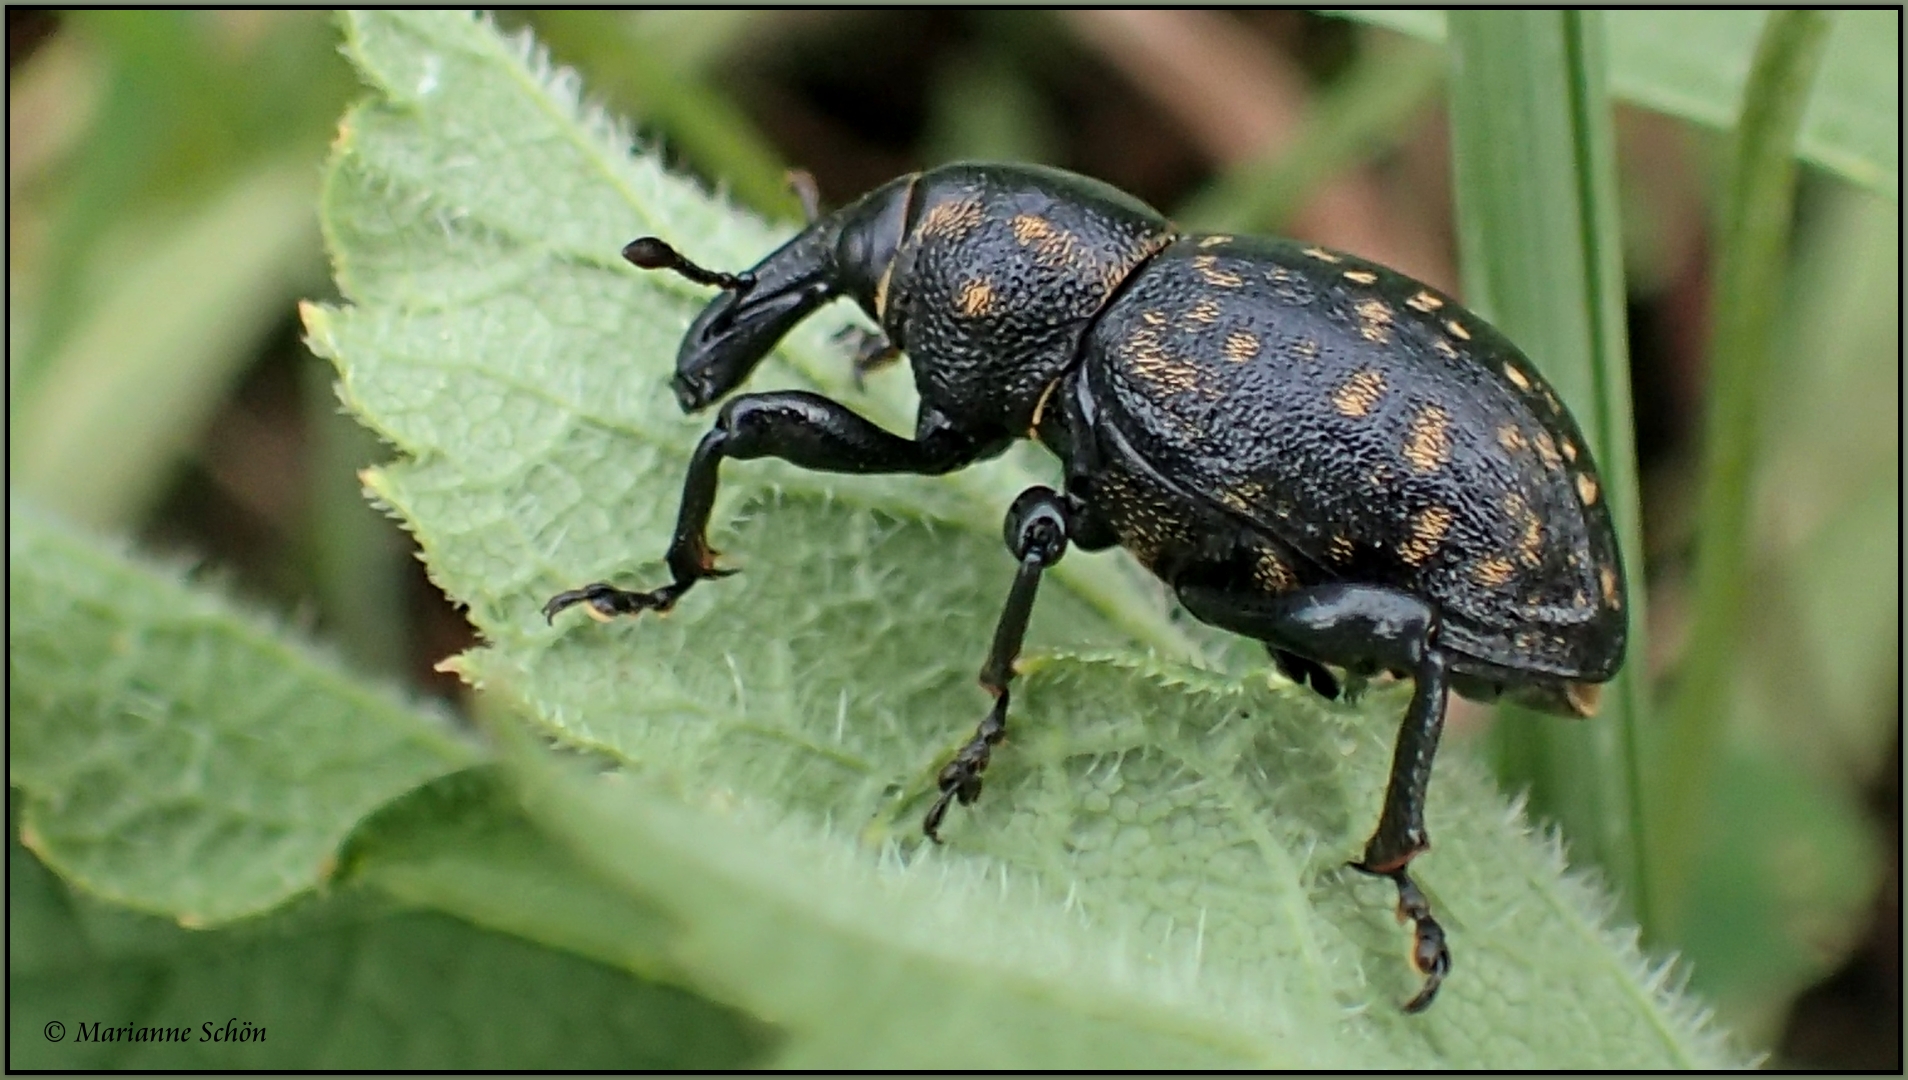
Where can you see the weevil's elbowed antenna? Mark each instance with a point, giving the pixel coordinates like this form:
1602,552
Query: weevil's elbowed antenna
651,253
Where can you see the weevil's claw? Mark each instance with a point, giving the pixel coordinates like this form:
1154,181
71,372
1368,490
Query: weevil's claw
607,601
1429,953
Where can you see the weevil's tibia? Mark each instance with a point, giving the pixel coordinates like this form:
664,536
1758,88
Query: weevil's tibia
1036,533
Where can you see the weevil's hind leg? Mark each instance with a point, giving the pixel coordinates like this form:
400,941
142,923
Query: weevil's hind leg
1361,628
1036,532
799,427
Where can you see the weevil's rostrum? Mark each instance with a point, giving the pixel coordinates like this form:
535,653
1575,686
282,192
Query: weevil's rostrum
1309,449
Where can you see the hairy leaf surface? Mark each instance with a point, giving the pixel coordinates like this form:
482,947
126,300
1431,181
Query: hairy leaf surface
1155,873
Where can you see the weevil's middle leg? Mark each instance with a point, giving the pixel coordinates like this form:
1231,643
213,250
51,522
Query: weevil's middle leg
1036,532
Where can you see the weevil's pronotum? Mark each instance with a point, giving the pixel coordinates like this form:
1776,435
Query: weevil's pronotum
1309,449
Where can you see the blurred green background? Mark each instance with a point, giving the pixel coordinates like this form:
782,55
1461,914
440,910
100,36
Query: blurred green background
163,176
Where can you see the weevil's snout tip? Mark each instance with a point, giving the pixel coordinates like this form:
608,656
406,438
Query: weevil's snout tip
692,393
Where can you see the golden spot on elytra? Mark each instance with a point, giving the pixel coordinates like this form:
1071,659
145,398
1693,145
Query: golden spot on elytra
1457,330
1427,532
1279,275
1240,346
1341,549
1153,318
1374,320
1305,349
1214,240
1425,302
953,219
1550,399
1446,348
1428,441
1208,267
1607,581
1321,254
1579,599
1205,311
976,298
1358,394
1379,476
1530,547
1518,377
1514,505
1587,488
1511,437
1270,572
1493,572
1569,451
1547,450
1362,277
1148,358
1030,228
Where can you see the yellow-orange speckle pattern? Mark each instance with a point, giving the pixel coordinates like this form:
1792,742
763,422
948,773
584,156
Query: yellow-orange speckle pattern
1359,393
1208,267
1241,346
1587,488
976,298
1374,320
1427,531
1428,442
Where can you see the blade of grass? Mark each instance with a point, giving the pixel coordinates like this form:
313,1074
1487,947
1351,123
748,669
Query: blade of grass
1692,62
1534,157
1366,111
1753,236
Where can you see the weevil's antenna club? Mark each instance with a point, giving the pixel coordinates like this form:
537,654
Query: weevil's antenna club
651,253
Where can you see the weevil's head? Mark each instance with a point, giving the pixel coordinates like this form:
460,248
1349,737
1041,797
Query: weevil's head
843,253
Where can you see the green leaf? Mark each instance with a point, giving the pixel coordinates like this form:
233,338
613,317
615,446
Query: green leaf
178,755
462,845
331,986
1155,874
1695,63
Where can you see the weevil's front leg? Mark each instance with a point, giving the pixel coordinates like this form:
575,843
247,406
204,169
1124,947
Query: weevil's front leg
1036,532
1366,627
799,427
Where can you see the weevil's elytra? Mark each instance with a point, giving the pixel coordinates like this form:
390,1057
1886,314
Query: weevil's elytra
1309,449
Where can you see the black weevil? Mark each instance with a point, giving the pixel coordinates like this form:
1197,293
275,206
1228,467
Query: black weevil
1311,450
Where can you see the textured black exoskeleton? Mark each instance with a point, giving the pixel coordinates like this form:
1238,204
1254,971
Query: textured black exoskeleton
1311,450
